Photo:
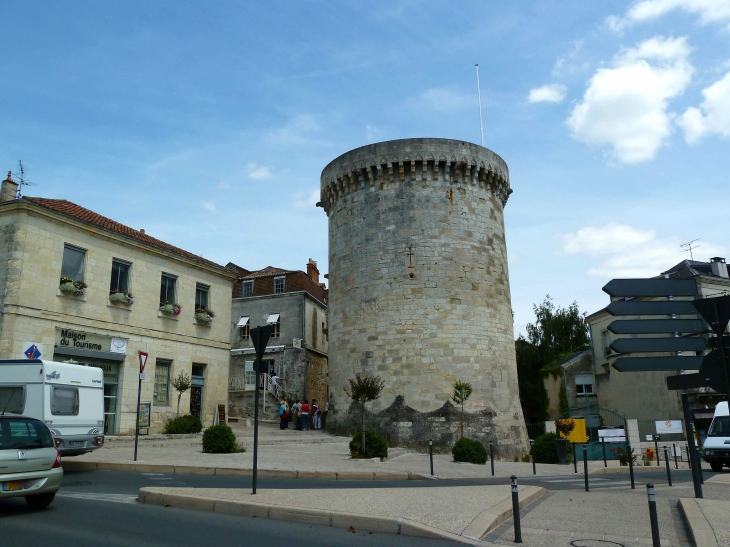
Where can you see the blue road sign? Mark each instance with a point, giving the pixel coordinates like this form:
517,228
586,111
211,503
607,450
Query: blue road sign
33,352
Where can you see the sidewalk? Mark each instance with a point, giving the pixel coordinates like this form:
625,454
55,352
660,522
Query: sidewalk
298,453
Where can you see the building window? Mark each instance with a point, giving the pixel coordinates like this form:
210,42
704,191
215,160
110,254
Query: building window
167,289
162,382
12,399
247,289
73,262
244,328
275,321
65,401
120,276
202,296
279,284
584,384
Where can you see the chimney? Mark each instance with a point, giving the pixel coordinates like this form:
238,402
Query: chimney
9,190
312,271
718,267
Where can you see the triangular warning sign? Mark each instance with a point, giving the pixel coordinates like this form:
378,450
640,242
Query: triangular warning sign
142,360
708,307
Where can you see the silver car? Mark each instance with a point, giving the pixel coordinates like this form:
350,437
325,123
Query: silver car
30,464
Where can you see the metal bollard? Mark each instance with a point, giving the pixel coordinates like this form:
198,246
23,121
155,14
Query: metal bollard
674,450
603,442
532,457
656,449
653,515
689,457
585,465
575,460
430,453
631,466
516,510
666,460
491,455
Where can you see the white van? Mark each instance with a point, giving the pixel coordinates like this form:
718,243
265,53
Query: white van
716,450
68,398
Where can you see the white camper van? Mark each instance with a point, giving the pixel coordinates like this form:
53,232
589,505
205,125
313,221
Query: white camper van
716,450
68,398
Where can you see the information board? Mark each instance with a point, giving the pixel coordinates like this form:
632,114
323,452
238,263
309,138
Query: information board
144,415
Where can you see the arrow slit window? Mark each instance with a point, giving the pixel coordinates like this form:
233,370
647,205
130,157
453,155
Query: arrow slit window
73,262
584,384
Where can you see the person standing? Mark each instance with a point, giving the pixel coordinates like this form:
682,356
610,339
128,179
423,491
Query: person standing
296,410
283,415
314,409
305,415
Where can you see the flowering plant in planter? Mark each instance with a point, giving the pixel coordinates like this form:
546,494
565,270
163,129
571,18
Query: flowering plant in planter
170,309
118,297
204,315
70,287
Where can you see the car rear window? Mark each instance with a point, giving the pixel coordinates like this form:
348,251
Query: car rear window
17,434
12,399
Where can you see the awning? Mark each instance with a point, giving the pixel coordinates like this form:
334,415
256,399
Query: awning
273,318
242,322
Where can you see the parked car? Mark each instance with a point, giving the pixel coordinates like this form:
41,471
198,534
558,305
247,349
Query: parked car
716,449
30,464
67,397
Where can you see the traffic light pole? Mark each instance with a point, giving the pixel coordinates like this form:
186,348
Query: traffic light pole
722,351
256,424
695,464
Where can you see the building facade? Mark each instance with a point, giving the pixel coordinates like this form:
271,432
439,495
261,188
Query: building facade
81,287
419,290
295,303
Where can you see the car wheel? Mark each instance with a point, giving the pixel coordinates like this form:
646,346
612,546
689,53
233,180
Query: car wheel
717,467
39,501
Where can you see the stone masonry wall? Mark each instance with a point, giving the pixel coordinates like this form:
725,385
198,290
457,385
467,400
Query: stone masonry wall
419,288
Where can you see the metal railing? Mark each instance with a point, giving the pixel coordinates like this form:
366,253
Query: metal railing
246,383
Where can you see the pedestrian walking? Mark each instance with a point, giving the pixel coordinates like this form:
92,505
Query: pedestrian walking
316,415
305,416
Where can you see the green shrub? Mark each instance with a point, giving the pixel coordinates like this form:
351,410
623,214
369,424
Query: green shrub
219,439
545,451
375,445
183,424
468,450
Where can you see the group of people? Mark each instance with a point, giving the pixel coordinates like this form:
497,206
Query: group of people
305,416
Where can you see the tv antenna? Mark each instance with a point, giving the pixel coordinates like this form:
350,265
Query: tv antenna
479,94
690,247
21,179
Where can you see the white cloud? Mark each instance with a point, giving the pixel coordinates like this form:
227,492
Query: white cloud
641,11
713,116
372,133
618,250
625,106
567,62
210,207
551,93
258,172
445,100
300,130
306,200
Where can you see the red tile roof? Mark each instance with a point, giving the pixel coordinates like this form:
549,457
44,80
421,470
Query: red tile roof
268,271
77,212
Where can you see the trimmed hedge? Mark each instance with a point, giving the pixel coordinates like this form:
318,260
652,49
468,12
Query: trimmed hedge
375,445
183,424
219,439
545,451
468,450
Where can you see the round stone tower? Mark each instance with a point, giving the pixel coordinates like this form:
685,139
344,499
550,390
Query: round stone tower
419,291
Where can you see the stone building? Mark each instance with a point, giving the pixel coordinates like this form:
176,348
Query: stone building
296,304
43,241
419,290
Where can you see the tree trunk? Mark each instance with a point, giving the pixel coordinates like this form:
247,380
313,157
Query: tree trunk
179,396
462,419
362,425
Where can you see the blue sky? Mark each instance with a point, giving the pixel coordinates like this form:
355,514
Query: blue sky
208,124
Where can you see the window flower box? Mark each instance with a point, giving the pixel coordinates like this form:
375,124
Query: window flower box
69,287
170,309
204,316
118,297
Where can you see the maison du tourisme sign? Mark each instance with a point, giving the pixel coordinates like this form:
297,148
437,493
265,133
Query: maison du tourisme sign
68,338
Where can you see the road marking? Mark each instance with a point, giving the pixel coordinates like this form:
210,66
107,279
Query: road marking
114,498
152,474
572,480
162,478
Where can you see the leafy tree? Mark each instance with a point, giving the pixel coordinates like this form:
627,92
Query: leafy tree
462,391
181,383
556,333
364,389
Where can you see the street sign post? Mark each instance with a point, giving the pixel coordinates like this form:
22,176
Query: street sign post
653,364
651,287
142,363
652,326
716,311
260,338
631,345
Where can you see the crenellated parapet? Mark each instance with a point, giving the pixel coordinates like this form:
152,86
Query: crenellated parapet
387,164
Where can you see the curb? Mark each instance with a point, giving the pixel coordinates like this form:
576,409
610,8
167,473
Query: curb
242,472
482,524
702,533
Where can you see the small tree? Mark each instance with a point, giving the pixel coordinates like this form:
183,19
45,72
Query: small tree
181,383
462,391
364,389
